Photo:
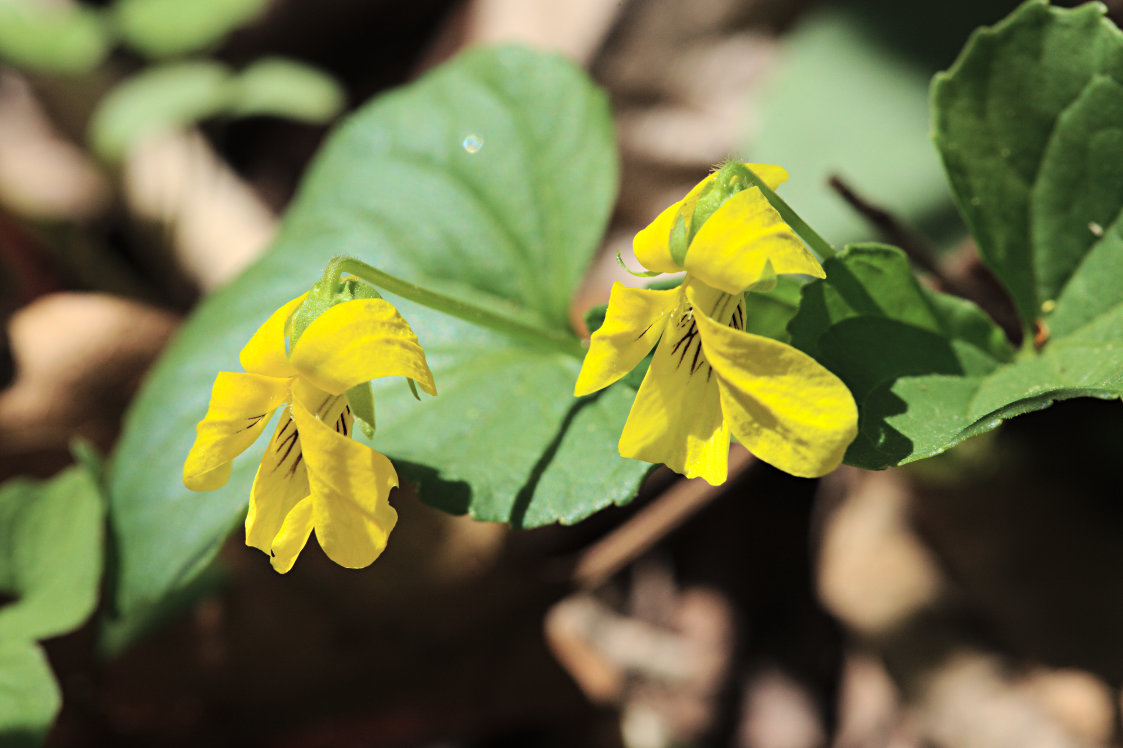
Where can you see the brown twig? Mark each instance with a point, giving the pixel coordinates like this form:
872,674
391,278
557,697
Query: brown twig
892,229
977,285
654,522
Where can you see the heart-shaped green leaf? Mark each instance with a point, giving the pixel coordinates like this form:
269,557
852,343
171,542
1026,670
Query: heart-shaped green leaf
490,179
1027,122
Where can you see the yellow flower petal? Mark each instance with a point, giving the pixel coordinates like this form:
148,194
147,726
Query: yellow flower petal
265,352
713,302
631,328
652,245
350,489
779,402
240,406
357,341
770,174
676,418
281,482
292,537
729,252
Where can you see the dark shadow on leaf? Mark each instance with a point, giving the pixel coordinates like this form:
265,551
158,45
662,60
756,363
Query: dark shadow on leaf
522,501
814,314
871,354
879,445
452,496
21,738
852,288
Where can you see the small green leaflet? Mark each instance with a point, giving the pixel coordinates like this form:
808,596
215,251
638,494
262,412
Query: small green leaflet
51,547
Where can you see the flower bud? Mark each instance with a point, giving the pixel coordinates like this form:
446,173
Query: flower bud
730,179
321,298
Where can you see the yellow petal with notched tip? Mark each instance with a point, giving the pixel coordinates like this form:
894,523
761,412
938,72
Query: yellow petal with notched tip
632,325
240,406
357,341
265,352
281,482
731,249
293,536
779,402
676,418
350,486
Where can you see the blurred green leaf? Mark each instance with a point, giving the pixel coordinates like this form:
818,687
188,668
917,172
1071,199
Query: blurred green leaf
47,38
510,221
175,95
163,28
1027,122
157,100
29,697
844,101
50,554
286,88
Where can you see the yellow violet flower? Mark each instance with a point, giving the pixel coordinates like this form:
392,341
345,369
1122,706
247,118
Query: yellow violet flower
313,475
708,376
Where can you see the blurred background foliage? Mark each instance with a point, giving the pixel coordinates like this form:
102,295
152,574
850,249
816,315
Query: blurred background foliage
146,148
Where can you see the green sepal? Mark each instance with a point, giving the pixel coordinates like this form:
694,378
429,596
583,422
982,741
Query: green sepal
413,389
636,273
665,284
712,197
360,399
680,239
732,177
321,298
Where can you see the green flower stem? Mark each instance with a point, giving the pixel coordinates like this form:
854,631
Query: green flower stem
818,244
501,323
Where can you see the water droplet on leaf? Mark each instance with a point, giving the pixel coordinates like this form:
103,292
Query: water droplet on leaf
473,143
